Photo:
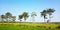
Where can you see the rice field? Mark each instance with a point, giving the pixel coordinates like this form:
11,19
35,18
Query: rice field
28,26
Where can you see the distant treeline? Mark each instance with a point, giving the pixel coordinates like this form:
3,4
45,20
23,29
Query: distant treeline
8,17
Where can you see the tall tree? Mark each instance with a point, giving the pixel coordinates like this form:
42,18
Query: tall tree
3,17
13,18
50,11
8,15
43,13
25,15
33,16
20,17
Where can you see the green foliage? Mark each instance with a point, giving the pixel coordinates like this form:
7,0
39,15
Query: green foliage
33,14
20,17
48,11
3,17
43,13
25,15
8,14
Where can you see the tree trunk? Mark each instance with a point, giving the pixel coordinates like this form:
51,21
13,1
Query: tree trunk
49,18
24,19
20,20
2,20
33,18
44,20
47,21
6,19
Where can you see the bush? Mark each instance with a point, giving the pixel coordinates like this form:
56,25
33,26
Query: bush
44,26
49,27
58,27
38,26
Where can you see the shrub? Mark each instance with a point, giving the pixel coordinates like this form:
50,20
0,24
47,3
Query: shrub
58,27
44,26
49,27
38,26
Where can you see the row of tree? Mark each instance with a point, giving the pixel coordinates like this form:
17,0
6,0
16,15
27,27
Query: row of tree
8,16
46,12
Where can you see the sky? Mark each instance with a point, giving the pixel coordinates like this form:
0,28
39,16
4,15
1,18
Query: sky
17,7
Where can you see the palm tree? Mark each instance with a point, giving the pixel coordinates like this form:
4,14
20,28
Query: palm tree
33,16
25,15
13,18
43,13
20,17
8,15
2,16
50,11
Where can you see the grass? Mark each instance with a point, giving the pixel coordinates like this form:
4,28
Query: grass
27,26
20,28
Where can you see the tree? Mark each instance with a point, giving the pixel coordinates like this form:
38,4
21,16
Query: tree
33,16
20,17
8,15
3,17
25,15
43,13
50,11
13,18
